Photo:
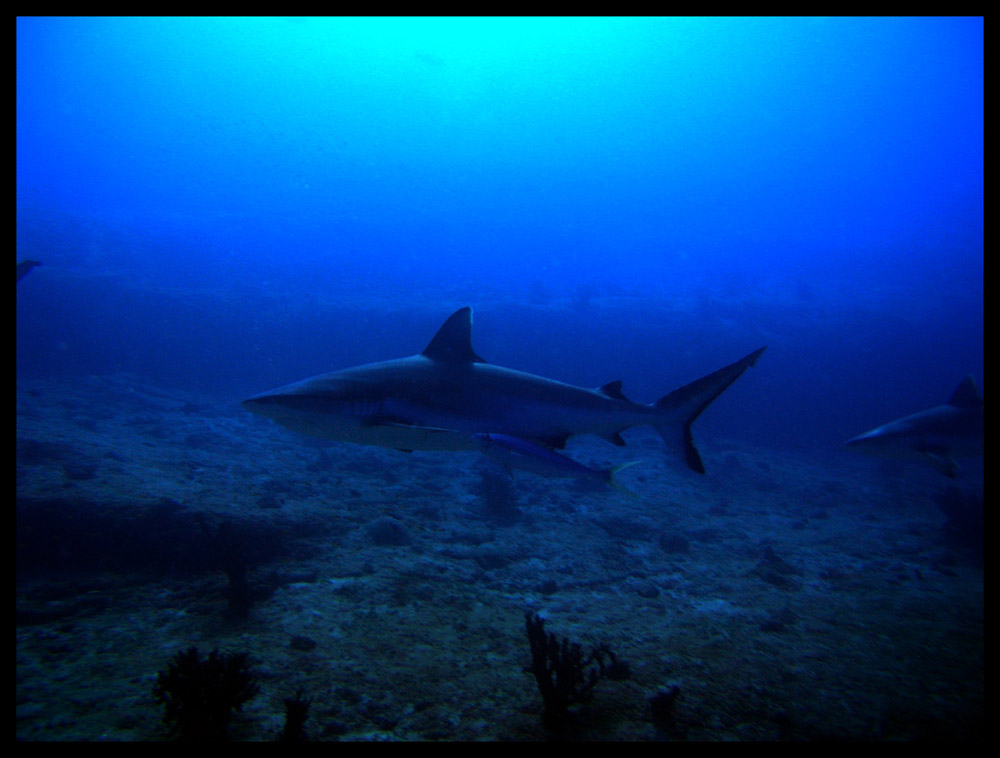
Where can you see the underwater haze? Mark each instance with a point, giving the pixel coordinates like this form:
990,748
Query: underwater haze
261,196
222,206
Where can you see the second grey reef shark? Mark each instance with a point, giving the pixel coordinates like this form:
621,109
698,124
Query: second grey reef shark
448,398
937,435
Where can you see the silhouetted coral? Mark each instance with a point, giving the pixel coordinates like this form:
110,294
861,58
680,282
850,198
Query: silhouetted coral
200,696
966,525
565,674
238,549
661,706
296,713
663,713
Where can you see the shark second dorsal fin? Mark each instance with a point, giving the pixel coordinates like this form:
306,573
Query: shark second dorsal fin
453,341
966,394
613,389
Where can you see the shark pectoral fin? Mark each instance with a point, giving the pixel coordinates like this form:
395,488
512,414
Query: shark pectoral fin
939,456
944,463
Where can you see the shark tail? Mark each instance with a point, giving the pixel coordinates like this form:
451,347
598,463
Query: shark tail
682,406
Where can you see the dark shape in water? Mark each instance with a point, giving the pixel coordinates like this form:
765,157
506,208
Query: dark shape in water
24,267
296,713
200,695
565,674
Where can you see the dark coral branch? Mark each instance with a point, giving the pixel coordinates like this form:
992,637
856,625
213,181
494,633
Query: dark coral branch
200,695
296,713
565,674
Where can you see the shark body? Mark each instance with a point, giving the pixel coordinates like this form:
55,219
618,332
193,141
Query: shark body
937,435
447,397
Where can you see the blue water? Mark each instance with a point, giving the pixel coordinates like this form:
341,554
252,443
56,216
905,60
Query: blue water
235,203
222,206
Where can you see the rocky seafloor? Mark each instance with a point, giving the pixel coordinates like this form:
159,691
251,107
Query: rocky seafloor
785,595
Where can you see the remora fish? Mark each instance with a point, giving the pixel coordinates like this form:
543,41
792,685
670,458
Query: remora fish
513,452
441,398
936,435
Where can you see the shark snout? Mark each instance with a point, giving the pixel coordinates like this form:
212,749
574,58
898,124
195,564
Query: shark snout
262,403
861,438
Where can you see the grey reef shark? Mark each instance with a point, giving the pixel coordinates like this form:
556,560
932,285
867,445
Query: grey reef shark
449,398
936,435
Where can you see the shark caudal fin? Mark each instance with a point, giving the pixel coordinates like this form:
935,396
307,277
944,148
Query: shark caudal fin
685,404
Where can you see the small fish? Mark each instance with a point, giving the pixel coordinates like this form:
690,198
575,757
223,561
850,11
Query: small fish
513,452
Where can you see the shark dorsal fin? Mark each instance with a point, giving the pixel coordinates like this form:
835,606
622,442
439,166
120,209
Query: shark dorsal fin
453,341
966,394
